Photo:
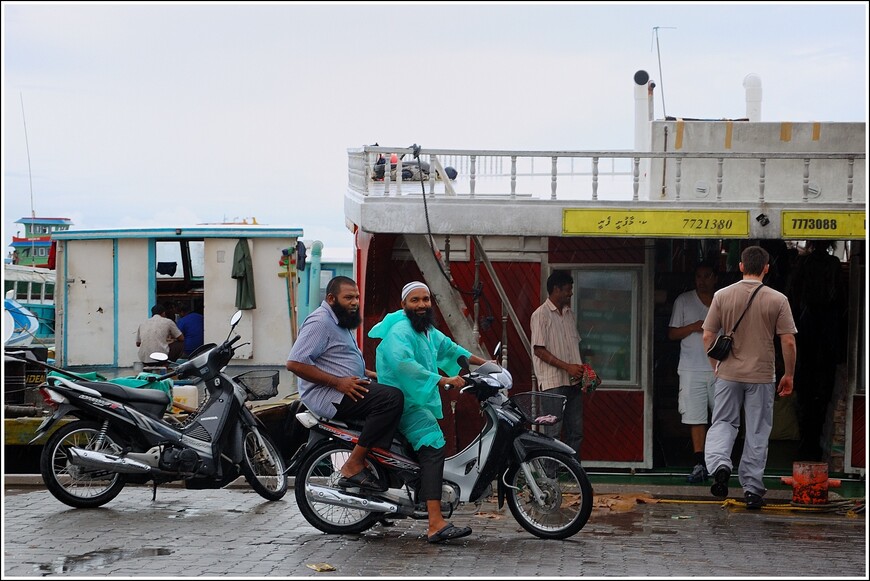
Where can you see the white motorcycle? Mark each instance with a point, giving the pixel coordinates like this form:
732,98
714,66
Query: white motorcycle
546,488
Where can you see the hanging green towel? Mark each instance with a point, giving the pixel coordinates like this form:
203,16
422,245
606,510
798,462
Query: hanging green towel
243,272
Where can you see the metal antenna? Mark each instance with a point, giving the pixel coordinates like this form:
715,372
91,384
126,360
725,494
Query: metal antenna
659,54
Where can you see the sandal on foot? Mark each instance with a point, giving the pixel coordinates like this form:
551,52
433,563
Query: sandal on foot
449,532
362,479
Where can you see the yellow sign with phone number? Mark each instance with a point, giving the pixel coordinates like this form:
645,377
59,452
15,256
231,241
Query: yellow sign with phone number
837,225
682,223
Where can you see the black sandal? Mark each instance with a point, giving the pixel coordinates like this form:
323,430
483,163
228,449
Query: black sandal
362,479
450,531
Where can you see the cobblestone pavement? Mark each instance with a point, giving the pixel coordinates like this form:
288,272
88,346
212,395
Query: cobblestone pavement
235,533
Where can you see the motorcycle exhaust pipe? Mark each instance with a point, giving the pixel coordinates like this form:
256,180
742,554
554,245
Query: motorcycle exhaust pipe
99,461
338,498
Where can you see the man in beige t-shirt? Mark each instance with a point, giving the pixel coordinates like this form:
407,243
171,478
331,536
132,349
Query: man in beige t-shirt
556,348
746,378
156,334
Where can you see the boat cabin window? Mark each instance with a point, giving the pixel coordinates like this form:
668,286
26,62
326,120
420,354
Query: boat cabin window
179,272
29,292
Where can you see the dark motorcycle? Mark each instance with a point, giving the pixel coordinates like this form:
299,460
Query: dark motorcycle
547,490
121,435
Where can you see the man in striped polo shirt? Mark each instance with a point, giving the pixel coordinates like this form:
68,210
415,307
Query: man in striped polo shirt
556,359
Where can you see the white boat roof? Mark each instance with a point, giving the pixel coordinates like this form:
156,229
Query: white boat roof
25,273
181,231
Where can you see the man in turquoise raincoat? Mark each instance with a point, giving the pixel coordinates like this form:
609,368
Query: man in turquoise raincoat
409,356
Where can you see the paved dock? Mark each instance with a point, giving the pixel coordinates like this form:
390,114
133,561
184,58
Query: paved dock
234,532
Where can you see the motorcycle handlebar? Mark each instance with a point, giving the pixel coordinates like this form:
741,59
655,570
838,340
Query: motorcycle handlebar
172,373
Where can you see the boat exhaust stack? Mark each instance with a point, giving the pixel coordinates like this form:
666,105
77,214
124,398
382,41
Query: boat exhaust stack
752,84
643,110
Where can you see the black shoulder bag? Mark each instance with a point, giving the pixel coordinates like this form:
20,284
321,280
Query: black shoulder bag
721,347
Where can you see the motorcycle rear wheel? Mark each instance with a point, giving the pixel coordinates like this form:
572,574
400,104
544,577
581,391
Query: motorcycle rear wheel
567,493
263,466
322,468
74,485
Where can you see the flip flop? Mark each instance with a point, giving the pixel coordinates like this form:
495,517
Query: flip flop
362,479
450,531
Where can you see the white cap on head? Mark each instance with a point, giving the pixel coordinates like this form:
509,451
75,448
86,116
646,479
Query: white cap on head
412,286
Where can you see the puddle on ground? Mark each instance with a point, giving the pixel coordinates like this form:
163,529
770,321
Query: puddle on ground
621,502
97,559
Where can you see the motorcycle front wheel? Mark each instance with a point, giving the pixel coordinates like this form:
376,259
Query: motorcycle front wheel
263,466
322,468
78,486
566,495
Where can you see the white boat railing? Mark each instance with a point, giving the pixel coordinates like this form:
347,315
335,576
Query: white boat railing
807,177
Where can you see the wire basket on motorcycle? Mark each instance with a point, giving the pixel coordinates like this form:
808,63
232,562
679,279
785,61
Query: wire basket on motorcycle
540,408
260,384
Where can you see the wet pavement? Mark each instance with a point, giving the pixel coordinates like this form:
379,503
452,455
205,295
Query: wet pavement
235,533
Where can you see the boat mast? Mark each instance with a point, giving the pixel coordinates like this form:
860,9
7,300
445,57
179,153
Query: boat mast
30,177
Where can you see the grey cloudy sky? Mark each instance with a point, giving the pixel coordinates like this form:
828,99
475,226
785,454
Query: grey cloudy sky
178,114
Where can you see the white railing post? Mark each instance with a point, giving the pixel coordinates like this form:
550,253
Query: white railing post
635,172
806,184
432,172
594,177
473,160
387,172
678,177
513,176
761,179
553,178
850,179
399,170
719,179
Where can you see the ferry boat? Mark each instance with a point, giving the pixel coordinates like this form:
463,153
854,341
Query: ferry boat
35,248
629,225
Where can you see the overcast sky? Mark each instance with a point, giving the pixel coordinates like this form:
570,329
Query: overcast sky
174,114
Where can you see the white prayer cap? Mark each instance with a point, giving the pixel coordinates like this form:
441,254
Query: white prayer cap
412,286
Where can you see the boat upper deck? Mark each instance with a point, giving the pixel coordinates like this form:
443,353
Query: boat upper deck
762,193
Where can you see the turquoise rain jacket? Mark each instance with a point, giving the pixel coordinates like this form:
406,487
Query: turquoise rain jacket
410,361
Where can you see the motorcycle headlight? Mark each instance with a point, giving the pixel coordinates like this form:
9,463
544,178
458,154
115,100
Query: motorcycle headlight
502,377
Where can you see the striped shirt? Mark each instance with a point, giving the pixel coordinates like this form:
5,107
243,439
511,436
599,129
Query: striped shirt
330,348
557,333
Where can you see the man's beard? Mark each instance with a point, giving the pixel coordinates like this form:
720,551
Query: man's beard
346,319
420,323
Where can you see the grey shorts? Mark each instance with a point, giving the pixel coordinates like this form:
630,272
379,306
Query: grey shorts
696,396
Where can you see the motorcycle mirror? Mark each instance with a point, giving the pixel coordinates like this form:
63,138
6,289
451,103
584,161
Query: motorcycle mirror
237,316
462,360
496,353
158,356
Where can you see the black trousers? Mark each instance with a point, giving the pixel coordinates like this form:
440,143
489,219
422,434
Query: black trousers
431,472
380,409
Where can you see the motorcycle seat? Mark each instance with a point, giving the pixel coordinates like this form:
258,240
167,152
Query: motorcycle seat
129,394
